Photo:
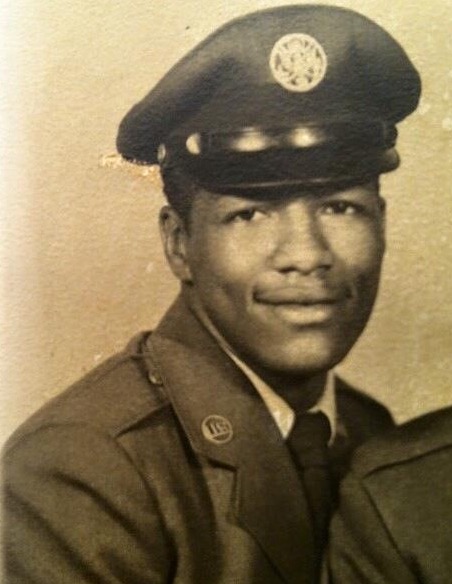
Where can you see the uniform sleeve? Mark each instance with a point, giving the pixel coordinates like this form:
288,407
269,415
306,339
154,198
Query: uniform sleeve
361,549
77,511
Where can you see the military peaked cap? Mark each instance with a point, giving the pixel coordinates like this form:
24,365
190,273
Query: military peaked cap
290,96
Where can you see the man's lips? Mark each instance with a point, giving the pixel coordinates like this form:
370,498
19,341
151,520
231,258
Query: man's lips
298,296
302,307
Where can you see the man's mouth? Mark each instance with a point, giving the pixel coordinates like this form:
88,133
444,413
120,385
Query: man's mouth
299,296
302,306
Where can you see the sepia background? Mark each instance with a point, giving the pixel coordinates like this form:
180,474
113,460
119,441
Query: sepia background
81,265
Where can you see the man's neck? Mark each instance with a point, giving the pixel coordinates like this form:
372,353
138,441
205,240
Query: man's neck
301,393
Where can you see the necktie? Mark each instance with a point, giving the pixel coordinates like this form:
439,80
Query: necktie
308,444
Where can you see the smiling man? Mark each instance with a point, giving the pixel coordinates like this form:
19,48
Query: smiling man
210,450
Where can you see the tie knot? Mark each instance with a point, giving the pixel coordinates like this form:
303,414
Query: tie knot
309,438
314,424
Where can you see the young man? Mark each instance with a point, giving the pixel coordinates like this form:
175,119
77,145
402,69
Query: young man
211,449
394,521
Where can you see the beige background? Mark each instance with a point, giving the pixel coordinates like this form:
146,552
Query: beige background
81,266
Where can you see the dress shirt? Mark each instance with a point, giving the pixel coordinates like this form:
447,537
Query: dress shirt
281,412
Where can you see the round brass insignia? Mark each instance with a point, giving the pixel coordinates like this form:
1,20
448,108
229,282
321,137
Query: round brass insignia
298,62
217,429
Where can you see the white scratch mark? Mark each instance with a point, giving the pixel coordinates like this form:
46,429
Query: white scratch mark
150,267
115,161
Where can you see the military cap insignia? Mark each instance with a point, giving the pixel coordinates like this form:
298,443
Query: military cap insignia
298,62
217,429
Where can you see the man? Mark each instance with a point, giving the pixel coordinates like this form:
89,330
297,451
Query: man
211,449
394,521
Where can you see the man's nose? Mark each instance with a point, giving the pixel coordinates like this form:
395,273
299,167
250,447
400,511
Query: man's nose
302,245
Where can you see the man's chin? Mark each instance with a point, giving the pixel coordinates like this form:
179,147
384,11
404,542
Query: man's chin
302,360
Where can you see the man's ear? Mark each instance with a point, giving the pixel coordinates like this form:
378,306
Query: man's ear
173,232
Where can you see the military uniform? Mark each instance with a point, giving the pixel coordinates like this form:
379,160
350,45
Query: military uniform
394,520
117,481
165,464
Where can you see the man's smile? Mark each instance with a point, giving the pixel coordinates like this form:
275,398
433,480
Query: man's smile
301,307
300,296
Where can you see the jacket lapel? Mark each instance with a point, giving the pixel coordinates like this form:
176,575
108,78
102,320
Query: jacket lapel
204,384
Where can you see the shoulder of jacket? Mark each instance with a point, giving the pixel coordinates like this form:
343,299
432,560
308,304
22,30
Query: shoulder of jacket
362,414
351,395
113,397
419,438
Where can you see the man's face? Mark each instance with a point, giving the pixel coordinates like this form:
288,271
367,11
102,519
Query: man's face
290,282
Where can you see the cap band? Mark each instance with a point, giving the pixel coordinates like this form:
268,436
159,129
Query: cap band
305,137
269,158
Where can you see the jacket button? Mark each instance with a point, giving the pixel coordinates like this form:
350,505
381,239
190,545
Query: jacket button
155,378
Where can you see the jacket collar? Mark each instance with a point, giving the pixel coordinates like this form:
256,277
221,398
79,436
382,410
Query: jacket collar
201,381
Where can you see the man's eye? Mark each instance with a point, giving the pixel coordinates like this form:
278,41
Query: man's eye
341,208
246,215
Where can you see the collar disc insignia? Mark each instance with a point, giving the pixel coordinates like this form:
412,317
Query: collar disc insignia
217,429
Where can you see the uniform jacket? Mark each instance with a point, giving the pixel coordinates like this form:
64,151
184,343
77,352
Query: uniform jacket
115,482
394,525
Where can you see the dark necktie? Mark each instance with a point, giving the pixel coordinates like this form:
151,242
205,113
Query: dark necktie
308,444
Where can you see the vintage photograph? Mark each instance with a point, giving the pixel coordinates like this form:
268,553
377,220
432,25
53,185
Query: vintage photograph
226,316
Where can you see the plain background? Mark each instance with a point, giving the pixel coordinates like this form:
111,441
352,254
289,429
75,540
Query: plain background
81,264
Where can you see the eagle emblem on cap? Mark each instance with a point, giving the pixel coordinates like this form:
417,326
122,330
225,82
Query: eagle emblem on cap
298,62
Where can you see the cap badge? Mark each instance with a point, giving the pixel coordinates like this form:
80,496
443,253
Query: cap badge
217,429
298,62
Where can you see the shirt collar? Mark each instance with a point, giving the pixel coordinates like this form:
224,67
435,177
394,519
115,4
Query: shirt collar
281,412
